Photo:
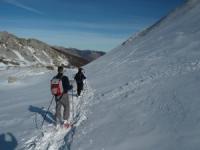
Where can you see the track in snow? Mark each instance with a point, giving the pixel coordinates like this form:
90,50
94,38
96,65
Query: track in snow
52,138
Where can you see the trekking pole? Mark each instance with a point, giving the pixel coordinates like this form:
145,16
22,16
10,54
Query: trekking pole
86,86
72,106
47,111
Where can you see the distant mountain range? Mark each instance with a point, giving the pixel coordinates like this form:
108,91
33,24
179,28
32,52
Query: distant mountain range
16,51
89,55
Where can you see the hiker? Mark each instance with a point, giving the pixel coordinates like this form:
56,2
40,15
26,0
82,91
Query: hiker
63,98
79,77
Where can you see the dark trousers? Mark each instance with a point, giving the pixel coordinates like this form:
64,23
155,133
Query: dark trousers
64,101
79,88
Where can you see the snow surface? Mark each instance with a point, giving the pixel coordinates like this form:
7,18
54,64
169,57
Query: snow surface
51,61
32,50
146,91
2,66
28,56
143,95
20,57
23,105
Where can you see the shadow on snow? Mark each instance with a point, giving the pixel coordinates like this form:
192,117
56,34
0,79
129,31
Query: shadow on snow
8,141
50,118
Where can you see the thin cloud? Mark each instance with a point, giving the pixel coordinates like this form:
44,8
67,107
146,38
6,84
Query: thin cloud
102,25
75,39
128,26
20,5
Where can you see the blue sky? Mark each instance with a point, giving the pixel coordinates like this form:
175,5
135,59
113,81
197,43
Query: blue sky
83,24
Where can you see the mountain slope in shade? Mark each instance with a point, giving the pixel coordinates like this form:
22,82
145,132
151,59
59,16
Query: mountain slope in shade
74,59
88,55
147,89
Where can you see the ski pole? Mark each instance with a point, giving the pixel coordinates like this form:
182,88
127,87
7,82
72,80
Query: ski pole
86,84
72,106
47,111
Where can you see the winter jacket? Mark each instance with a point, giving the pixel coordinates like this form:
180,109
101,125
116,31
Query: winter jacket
79,77
65,82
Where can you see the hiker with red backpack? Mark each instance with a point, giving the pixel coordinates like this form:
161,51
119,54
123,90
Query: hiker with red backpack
59,87
79,77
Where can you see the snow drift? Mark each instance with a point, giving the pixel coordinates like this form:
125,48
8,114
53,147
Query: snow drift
147,89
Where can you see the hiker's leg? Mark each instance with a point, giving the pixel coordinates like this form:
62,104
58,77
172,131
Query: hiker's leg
79,88
66,106
58,111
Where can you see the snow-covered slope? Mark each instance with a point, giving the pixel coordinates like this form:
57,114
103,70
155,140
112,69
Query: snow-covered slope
147,89
144,96
23,107
16,51
21,52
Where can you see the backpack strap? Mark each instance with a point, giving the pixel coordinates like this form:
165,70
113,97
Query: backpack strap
58,99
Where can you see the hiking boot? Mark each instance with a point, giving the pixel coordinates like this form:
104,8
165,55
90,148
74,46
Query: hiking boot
66,124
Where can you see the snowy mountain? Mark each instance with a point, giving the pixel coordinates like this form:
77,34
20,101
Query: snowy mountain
28,52
79,57
146,91
89,55
143,95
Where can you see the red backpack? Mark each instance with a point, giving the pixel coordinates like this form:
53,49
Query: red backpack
56,87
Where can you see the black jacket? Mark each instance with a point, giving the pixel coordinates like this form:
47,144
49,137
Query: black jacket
65,82
79,77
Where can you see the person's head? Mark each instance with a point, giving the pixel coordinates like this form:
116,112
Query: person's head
60,69
80,69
